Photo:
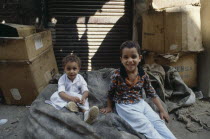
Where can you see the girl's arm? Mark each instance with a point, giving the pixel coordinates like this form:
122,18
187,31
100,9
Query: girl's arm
108,108
163,113
150,92
66,97
111,91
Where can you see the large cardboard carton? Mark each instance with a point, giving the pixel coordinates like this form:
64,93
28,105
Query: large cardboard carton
163,4
24,48
142,6
21,81
16,30
174,30
186,65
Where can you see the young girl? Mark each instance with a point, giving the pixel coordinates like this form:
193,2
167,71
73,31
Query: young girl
126,89
72,90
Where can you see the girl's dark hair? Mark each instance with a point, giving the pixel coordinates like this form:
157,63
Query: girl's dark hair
71,58
130,44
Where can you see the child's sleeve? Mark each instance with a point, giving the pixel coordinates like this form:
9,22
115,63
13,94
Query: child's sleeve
150,91
112,87
61,84
83,85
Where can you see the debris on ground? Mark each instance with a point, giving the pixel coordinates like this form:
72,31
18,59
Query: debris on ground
195,117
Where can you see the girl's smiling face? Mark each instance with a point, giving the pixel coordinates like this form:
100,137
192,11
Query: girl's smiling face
130,59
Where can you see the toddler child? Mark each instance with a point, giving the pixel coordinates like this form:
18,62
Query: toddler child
127,86
72,90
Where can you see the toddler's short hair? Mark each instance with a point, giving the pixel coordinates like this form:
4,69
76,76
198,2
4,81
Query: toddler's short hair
71,58
130,44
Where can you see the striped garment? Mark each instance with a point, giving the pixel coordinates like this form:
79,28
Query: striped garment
123,91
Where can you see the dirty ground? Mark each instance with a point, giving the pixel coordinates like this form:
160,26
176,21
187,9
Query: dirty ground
187,122
14,128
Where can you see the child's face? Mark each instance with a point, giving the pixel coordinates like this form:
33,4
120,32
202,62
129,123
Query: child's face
71,69
130,59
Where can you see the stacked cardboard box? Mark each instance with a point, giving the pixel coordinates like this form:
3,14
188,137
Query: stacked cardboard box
174,31
26,66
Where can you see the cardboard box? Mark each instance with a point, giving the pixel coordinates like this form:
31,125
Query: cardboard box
21,81
186,65
172,31
24,48
16,30
162,4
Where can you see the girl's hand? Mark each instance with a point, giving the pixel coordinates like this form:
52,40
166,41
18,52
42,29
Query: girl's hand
76,99
164,115
106,110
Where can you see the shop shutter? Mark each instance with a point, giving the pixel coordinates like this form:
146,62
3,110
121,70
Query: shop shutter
8,11
91,29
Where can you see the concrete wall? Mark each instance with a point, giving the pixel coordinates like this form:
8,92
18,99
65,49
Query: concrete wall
204,57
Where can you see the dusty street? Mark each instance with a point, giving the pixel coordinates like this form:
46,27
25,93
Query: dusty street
14,128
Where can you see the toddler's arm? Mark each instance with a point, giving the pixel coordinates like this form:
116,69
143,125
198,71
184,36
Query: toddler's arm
163,113
62,90
66,97
84,89
84,96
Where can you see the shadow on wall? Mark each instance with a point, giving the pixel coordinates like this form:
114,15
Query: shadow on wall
72,28
109,51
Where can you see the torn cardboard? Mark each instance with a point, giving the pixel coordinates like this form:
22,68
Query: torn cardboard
16,30
21,81
24,48
186,65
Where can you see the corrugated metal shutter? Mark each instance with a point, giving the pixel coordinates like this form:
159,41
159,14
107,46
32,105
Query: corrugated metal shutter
21,11
8,11
92,29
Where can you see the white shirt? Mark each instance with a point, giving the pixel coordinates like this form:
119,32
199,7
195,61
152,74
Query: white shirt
78,85
75,88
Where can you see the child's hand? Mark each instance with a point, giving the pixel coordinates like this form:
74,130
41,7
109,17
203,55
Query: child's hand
76,99
164,115
106,110
82,101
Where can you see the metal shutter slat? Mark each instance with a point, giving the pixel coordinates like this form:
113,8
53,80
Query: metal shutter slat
92,29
